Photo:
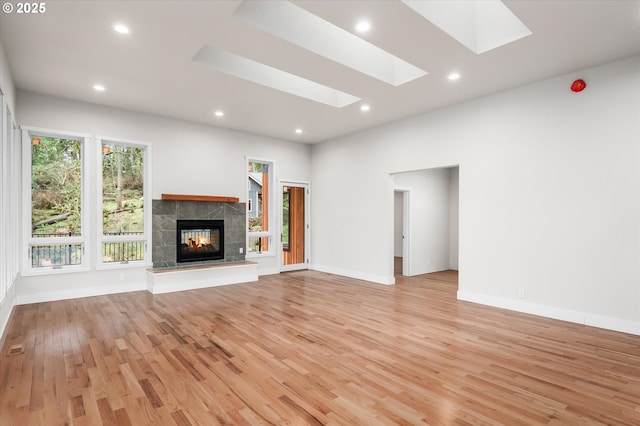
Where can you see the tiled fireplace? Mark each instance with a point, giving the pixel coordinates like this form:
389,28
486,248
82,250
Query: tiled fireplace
208,221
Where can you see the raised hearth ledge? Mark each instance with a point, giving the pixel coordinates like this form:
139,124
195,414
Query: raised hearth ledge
160,280
211,198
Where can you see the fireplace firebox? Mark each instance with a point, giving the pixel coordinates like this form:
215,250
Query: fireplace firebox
200,240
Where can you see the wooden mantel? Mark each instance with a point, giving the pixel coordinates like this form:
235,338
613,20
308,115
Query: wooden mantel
212,198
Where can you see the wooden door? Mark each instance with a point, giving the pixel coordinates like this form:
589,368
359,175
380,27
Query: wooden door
294,225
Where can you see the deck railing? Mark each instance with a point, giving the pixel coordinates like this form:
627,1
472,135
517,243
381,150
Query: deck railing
71,254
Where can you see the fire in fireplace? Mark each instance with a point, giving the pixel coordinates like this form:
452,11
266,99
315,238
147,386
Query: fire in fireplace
200,240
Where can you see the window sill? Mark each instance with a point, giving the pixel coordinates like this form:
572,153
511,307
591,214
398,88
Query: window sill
259,255
118,265
50,270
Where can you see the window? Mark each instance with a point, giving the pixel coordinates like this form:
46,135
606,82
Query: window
259,205
54,175
62,233
286,217
123,189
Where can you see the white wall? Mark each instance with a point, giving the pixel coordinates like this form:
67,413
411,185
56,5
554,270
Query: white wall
188,158
398,212
176,144
549,195
454,212
7,87
430,221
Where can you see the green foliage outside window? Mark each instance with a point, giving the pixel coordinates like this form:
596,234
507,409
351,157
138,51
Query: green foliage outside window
122,189
56,186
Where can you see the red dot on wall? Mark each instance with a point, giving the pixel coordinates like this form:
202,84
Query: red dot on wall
578,85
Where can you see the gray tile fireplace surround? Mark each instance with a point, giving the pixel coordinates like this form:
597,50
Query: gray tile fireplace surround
166,213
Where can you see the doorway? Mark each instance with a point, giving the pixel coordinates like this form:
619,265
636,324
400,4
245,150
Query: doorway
430,219
294,220
402,246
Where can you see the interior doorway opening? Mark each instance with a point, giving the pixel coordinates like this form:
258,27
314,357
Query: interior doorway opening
426,221
401,232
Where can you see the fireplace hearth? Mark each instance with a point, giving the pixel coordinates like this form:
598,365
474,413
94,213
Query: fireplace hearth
199,240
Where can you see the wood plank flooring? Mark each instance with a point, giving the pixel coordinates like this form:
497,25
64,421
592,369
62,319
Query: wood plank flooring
308,348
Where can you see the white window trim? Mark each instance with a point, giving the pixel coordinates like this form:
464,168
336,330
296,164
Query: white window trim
28,241
146,238
11,192
4,210
272,252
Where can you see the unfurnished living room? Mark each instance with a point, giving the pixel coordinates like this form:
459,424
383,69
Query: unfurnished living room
385,212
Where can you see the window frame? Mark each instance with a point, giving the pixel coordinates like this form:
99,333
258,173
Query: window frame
147,200
4,178
10,191
29,241
5,171
271,221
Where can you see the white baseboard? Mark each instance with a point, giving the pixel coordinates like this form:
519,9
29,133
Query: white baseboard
269,271
599,321
6,308
77,293
191,279
378,279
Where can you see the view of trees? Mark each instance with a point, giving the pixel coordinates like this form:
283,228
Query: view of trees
56,192
123,189
56,186
56,201
122,201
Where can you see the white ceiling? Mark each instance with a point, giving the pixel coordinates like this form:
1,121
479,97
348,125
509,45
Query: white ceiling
72,46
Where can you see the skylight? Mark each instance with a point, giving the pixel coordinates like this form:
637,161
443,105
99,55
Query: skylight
479,25
302,28
274,78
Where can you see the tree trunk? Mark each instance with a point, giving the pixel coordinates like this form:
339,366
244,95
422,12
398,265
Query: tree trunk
119,183
51,220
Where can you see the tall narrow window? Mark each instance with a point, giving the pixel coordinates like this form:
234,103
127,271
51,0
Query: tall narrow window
259,202
56,178
124,214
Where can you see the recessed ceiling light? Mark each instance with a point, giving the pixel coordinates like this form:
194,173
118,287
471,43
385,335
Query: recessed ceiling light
99,88
219,113
454,76
121,28
363,26
299,131
365,107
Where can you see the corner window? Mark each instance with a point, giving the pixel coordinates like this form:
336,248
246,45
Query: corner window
259,205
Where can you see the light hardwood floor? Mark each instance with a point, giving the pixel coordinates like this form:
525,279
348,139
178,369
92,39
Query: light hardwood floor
310,348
